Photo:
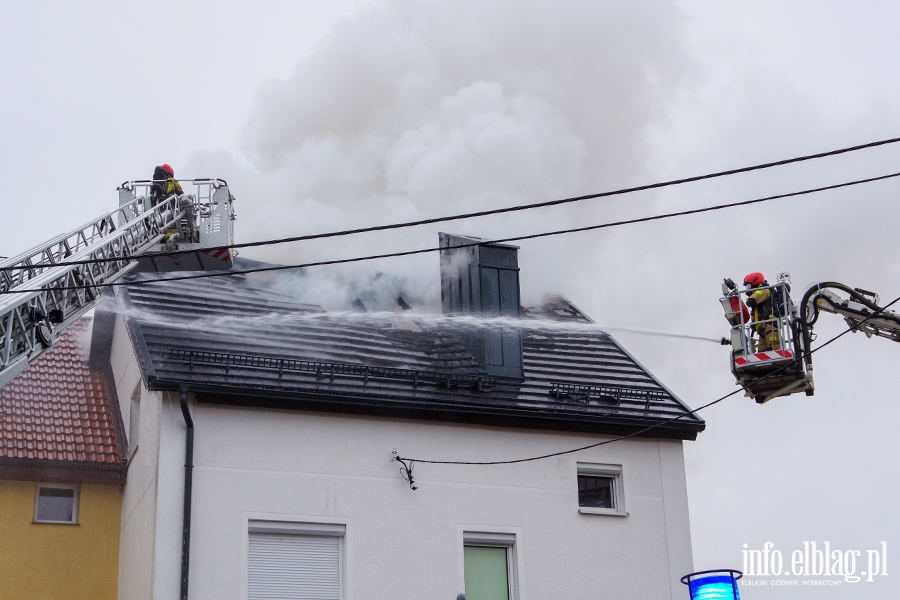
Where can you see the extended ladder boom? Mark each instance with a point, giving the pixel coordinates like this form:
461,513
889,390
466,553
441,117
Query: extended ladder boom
30,321
39,296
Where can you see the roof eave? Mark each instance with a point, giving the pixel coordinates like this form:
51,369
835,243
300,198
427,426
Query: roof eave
690,411
62,471
406,408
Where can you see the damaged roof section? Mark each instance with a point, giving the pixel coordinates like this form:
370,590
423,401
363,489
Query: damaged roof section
232,341
58,419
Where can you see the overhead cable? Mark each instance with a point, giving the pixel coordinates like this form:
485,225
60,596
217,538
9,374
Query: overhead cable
655,425
518,238
495,211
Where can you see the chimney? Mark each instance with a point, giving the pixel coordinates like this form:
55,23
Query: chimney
483,280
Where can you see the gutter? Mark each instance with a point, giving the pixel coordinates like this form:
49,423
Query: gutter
188,484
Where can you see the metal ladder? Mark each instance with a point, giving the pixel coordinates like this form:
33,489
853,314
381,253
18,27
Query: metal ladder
39,299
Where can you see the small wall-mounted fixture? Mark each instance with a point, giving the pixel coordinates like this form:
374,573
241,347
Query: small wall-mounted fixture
407,471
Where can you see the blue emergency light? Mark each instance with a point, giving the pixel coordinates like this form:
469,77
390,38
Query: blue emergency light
719,584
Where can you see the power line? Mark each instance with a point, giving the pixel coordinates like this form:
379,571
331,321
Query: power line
496,211
655,425
480,243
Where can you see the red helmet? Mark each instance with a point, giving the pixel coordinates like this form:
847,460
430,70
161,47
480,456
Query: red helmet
754,279
168,169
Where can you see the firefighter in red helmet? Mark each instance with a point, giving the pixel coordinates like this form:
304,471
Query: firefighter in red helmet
164,184
762,308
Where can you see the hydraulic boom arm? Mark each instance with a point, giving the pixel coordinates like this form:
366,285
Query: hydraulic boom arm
860,310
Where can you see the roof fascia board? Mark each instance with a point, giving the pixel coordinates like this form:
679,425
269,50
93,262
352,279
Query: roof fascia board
133,328
580,312
636,362
448,412
690,410
62,471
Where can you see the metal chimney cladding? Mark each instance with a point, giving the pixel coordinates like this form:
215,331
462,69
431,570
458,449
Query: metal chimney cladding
483,280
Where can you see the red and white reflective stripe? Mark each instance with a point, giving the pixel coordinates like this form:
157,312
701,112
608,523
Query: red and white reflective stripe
219,254
763,357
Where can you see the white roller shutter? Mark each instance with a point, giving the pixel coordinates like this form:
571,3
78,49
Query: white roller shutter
288,566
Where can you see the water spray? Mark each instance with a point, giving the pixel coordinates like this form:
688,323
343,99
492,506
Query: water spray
408,320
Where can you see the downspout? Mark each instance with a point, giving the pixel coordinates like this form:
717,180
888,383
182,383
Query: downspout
188,481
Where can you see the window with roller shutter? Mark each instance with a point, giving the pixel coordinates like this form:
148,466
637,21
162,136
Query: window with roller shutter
294,561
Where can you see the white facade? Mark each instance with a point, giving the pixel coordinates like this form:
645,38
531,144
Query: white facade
257,467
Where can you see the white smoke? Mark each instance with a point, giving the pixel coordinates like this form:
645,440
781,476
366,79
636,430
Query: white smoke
416,109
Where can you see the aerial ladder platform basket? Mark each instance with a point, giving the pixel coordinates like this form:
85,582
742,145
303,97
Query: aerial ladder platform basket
788,368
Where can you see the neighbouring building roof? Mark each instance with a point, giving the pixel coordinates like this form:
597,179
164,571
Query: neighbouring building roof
59,420
232,341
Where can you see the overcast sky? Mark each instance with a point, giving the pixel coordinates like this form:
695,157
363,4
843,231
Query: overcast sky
323,115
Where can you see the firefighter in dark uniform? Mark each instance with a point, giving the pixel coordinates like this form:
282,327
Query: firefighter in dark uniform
762,307
164,184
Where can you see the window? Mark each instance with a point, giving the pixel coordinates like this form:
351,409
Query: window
295,560
56,504
489,564
600,489
596,491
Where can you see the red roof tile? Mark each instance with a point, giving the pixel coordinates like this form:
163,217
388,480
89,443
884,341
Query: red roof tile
58,408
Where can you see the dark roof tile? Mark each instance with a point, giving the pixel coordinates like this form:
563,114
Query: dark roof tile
254,331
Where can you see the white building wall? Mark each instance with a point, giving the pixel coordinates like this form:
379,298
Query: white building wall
678,526
137,543
170,499
318,467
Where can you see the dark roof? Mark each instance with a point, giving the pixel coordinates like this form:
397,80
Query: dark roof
233,341
58,419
